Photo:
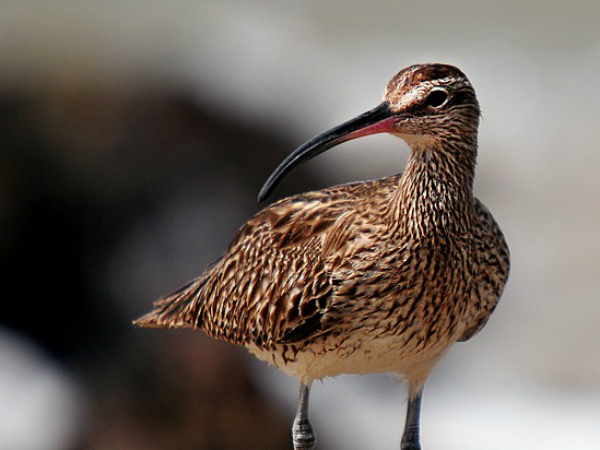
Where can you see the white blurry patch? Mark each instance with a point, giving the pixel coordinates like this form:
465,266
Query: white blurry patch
40,406
358,412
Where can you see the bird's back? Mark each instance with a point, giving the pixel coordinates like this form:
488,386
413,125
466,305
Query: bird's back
273,284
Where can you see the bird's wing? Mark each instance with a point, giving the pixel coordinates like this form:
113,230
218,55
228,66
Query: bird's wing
491,268
273,284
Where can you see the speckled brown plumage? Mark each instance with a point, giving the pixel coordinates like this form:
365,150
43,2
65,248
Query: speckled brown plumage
372,276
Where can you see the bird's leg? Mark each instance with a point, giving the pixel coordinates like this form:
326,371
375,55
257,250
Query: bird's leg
410,438
302,431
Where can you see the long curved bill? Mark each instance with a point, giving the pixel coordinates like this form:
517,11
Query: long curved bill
378,120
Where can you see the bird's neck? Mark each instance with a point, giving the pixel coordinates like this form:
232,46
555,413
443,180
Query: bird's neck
435,193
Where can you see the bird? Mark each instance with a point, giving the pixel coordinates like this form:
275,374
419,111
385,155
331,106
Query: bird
365,277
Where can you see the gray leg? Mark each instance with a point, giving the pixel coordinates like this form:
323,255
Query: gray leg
410,438
302,432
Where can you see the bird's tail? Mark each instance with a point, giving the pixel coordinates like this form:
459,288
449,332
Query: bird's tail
180,309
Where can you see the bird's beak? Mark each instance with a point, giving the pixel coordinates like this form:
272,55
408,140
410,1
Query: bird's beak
378,120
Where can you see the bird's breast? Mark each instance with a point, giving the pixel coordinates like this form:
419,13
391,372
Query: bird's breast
415,290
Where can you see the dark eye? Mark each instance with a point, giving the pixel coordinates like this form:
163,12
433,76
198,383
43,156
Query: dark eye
436,98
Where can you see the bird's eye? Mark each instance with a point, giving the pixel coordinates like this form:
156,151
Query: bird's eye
436,98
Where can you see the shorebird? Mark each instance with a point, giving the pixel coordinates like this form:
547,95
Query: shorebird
366,277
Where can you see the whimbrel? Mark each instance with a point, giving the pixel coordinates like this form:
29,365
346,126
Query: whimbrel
375,276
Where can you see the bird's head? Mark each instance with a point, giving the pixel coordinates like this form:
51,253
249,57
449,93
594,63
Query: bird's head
424,104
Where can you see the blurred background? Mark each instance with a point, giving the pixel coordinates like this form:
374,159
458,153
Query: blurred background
134,138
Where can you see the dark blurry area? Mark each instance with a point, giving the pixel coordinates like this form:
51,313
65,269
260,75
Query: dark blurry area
85,172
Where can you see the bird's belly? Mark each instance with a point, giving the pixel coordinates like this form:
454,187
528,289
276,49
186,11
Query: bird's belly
331,357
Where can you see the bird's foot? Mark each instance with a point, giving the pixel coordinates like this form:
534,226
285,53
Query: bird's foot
410,446
303,435
410,439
